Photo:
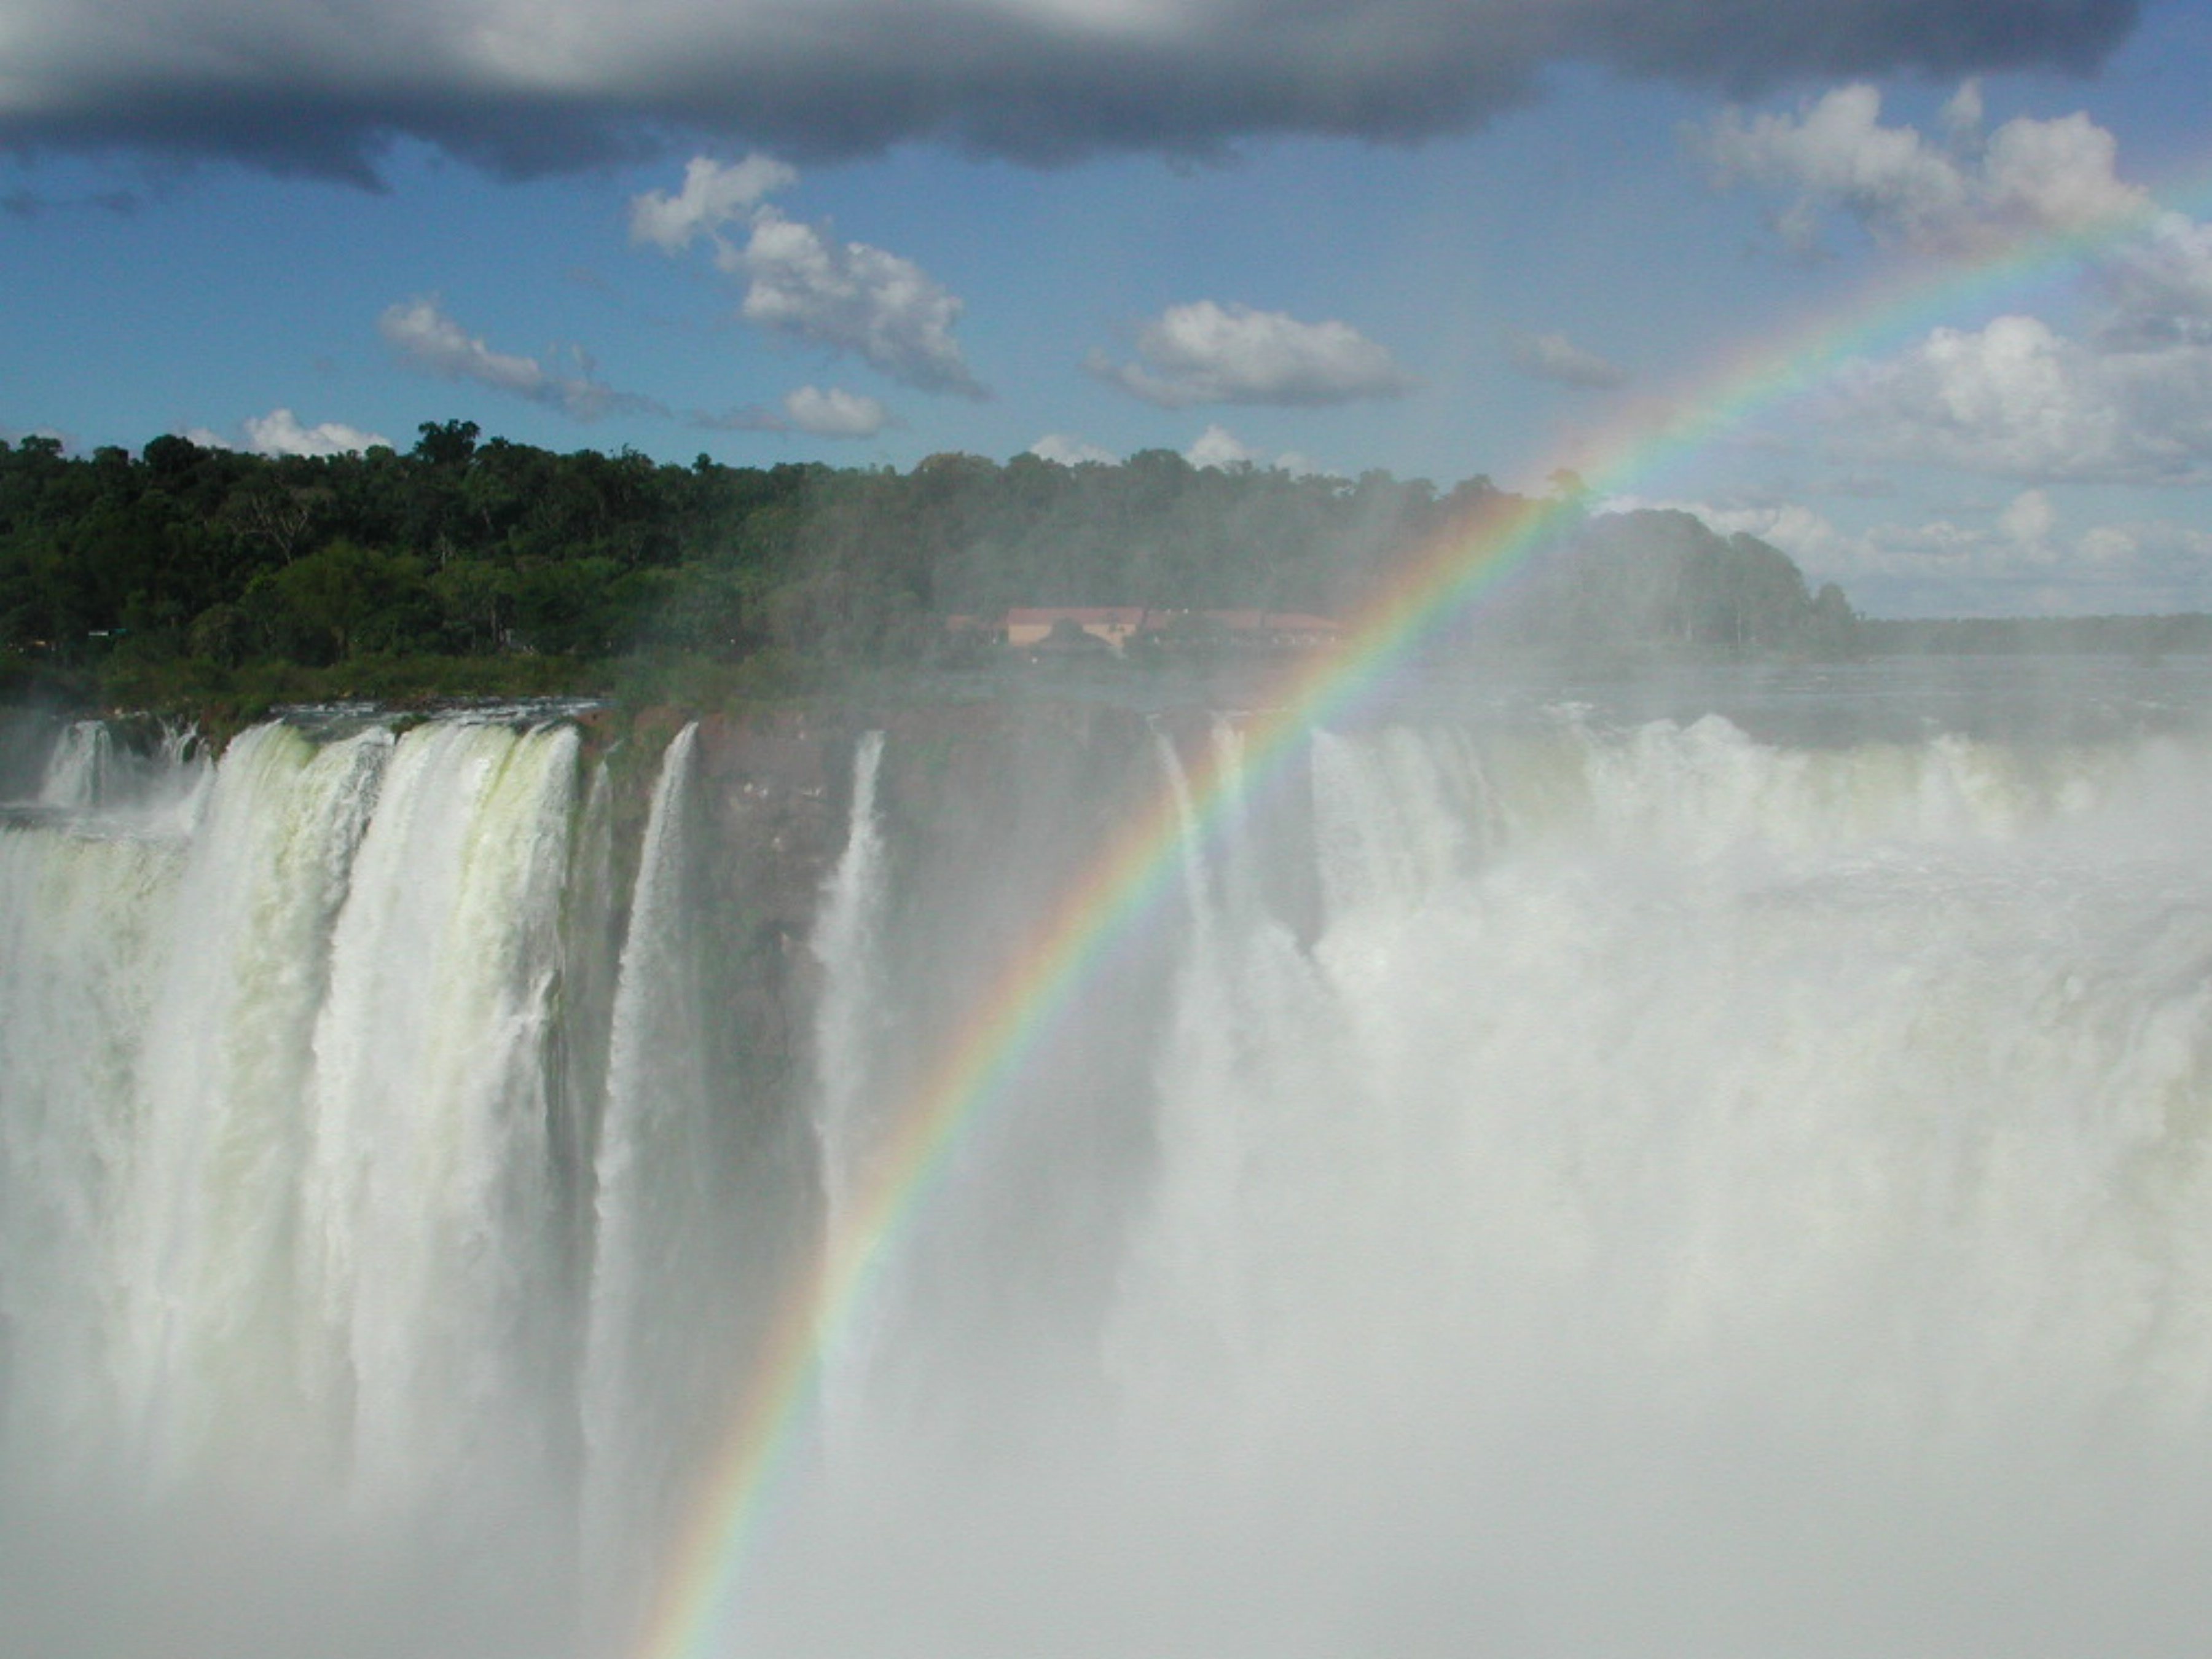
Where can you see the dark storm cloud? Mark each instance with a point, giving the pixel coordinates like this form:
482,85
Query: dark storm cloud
530,86
1747,44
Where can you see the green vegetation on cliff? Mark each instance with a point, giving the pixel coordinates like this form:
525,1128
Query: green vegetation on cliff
186,573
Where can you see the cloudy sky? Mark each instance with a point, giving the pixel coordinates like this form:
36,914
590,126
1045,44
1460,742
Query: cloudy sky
1964,246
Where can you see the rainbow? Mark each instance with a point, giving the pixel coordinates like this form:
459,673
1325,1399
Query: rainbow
697,1592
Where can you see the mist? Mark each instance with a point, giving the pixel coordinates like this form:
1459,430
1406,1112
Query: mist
1564,1175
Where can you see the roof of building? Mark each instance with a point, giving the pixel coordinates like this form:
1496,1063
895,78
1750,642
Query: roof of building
1127,615
1134,616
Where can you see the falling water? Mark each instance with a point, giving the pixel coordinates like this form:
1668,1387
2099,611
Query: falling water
1535,1183
428,1193
210,1212
848,1118
76,771
89,773
274,1184
652,1349
845,1028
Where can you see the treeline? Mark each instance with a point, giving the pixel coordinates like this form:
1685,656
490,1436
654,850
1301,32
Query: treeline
1656,581
2188,633
463,547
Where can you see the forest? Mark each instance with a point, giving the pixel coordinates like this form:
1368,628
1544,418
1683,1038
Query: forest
469,564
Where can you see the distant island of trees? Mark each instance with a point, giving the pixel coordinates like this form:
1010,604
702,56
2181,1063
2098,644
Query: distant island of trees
186,573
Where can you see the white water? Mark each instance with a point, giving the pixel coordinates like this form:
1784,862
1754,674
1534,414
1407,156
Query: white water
1691,1197
848,1113
77,768
428,1210
1657,1192
90,775
848,1028
653,1346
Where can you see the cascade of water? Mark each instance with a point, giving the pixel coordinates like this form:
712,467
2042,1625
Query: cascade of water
1246,1039
271,1188
591,958
1387,825
89,773
1763,1193
1187,1262
1241,843
429,1186
667,1247
207,1227
1686,1193
849,1028
76,770
1810,1053
850,1016
82,942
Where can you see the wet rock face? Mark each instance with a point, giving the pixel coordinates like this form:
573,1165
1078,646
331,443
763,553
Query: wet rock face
772,786
990,816
992,812
995,821
806,1043
988,811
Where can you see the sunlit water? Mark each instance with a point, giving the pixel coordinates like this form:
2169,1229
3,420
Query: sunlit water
1560,1172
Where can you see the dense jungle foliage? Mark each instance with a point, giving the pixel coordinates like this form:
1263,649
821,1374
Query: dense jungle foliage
479,564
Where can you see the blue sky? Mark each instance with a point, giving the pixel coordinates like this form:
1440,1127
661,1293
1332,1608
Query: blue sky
1440,237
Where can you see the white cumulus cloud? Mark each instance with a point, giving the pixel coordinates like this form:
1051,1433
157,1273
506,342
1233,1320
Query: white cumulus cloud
851,297
2029,520
2129,402
1218,446
2158,286
713,194
805,284
1208,353
2019,399
422,333
833,412
1555,358
1962,194
281,433
1072,451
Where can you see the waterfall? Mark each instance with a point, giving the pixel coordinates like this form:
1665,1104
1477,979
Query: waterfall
849,1028
83,941
210,1224
429,1191
1247,1045
1190,1267
1535,1180
657,1236
78,768
87,773
699,1206
274,1183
